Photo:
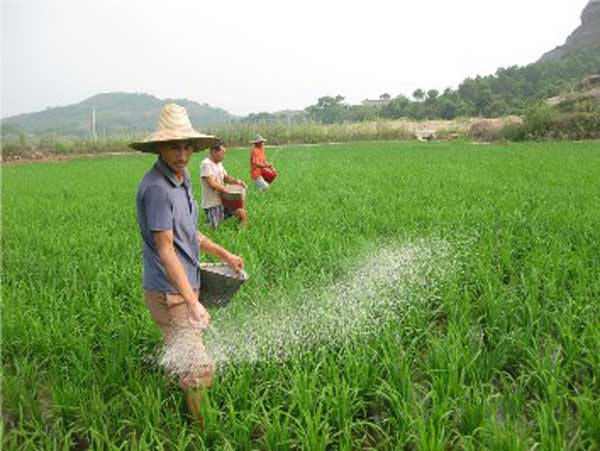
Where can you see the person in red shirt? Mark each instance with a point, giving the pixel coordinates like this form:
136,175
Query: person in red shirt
259,163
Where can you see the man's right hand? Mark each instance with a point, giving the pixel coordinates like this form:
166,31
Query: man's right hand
199,316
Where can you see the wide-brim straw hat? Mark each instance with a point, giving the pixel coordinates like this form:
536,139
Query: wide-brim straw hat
258,139
174,125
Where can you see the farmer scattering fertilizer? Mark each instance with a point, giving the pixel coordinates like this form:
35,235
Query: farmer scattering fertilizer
262,172
218,200
168,220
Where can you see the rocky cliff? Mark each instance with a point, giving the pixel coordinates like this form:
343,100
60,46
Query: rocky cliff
587,35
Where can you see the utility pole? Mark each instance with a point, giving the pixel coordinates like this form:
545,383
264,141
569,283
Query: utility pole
94,135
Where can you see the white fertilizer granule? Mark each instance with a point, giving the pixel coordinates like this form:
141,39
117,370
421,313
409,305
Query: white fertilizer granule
372,294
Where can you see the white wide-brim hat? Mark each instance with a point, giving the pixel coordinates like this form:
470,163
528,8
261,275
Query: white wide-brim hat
174,125
258,139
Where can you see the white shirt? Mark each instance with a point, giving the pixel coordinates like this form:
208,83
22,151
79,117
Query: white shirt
208,168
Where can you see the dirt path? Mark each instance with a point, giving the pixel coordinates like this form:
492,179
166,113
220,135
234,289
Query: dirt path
40,157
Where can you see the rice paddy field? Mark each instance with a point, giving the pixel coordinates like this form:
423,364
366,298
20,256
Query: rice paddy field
418,296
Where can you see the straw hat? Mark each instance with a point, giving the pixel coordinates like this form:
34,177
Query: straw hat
258,139
174,125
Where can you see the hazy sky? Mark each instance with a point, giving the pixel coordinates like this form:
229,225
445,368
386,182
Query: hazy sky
265,55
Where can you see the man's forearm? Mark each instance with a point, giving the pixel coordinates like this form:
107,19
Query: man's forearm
212,182
234,261
218,187
206,245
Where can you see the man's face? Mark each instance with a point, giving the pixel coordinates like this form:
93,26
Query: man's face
176,154
219,155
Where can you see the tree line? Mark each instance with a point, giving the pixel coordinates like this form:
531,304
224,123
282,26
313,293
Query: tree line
511,90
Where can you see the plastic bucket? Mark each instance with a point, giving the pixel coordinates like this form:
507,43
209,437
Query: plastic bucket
218,283
268,175
234,197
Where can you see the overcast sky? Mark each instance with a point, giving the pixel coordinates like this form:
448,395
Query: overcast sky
265,55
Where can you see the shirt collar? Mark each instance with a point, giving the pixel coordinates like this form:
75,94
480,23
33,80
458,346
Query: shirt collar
170,175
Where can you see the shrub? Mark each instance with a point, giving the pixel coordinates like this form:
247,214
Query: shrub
487,130
546,123
513,132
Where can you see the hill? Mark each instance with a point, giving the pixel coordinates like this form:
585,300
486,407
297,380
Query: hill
117,113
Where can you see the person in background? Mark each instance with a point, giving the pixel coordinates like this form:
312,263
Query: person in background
258,162
171,243
213,177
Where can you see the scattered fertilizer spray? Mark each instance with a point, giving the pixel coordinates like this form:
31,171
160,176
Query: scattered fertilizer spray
373,293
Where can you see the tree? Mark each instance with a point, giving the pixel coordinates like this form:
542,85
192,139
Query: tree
359,113
446,108
329,109
419,94
432,94
397,108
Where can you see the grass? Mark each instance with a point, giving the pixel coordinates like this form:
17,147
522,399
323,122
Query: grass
502,355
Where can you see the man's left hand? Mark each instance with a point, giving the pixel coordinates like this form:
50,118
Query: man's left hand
235,262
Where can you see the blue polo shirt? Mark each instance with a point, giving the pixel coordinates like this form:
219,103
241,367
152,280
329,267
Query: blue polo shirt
165,203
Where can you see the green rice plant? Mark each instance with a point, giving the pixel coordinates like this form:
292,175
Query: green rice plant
494,345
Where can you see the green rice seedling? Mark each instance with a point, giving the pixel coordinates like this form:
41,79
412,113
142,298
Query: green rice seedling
402,295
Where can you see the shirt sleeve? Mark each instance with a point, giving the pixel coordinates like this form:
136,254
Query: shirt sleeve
159,210
206,169
253,157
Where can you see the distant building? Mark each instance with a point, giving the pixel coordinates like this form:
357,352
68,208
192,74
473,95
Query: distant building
383,100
